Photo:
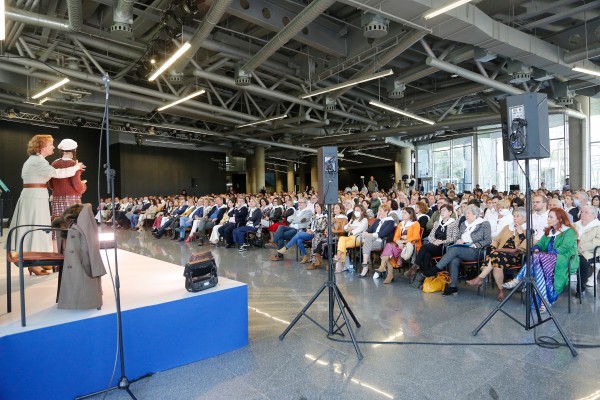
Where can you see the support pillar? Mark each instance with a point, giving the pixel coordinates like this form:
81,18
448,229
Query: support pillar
398,166
579,157
406,161
314,174
259,165
249,173
278,182
290,177
302,176
475,173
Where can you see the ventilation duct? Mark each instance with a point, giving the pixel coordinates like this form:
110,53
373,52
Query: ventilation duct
75,16
123,16
374,26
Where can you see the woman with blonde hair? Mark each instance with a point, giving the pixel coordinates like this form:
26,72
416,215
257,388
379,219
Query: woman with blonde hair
32,207
358,224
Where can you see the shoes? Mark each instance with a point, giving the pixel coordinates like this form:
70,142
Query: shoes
477,281
317,263
305,259
38,272
579,295
377,275
339,268
412,271
243,247
282,250
229,245
276,258
449,291
511,284
543,309
364,272
590,281
180,239
418,281
500,296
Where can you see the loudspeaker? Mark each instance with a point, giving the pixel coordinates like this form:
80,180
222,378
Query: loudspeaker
514,188
327,168
525,132
194,183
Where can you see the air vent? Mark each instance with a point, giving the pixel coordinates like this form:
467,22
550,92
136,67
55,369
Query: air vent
374,26
242,78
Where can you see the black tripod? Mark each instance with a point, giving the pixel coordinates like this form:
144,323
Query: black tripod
123,383
528,282
334,296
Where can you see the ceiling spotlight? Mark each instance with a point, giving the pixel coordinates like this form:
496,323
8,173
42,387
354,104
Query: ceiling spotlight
12,112
46,115
151,131
80,121
138,139
152,61
127,126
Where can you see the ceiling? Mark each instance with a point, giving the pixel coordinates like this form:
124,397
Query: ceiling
255,58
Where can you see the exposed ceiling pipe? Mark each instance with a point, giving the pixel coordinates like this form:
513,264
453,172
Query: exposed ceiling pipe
503,87
564,14
384,59
445,95
273,94
106,47
312,11
16,30
211,19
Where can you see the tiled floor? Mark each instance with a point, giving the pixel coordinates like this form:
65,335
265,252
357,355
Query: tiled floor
307,365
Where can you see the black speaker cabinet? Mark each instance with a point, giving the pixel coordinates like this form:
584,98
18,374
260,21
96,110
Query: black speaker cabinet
525,132
327,167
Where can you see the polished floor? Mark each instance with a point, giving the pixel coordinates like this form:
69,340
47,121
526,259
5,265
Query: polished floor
307,365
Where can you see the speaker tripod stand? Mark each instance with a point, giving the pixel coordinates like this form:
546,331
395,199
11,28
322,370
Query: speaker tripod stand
335,326
528,282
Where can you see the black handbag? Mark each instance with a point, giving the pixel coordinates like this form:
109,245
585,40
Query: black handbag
200,272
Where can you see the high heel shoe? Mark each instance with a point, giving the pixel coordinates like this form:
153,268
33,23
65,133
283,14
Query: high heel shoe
36,272
511,284
477,281
364,272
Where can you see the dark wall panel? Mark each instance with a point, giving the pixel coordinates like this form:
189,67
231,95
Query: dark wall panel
383,175
153,170
13,153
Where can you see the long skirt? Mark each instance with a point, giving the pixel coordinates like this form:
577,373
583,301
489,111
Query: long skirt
542,269
32,209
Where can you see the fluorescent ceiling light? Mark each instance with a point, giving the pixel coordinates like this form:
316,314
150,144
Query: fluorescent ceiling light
51,88
186,98
352,161
262,121
350,82
401,112
359,153
445,8
180,128
285,159
2,21
186,46
587,71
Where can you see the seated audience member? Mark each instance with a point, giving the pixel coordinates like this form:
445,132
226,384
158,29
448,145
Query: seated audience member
288,212
436,214
475,234
165,213
171,220
554,250
188,220
237,220
408,231
148,214
207,222
299,221
443,233
337,229
252,225
265,209
357,225
373,238
318,221
216,230
588,230
505,218
422,215
506,251
208,205
319,229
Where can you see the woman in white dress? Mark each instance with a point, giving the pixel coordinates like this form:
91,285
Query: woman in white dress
33,207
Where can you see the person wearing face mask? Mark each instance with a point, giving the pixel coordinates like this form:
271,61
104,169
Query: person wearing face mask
588,230
507,250
357,225
580,199
372,238
505,218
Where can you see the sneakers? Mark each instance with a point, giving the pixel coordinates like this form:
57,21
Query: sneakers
449,291
244,247
511,284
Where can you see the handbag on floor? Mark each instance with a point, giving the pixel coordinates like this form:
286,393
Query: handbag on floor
436,283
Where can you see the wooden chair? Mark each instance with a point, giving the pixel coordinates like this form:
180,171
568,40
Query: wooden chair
25,260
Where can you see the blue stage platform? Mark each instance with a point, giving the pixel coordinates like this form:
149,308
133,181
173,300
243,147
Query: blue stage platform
63,354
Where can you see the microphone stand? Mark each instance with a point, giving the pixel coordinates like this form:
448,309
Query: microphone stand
124,382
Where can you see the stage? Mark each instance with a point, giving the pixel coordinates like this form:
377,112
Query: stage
164,326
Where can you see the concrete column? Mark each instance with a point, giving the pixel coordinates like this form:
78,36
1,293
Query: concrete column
579,157
406,161
278,182
398,166
249,173
259,163
302,175
314,173
290,177
475,155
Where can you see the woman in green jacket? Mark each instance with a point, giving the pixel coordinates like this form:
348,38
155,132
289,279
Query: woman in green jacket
551,255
